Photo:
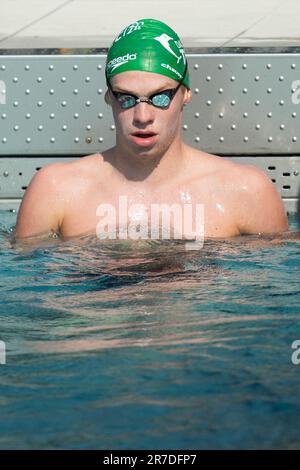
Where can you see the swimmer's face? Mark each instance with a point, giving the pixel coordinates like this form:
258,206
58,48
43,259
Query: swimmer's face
146,130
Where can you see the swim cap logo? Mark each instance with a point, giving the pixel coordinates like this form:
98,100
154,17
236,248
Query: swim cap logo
118,61
164,40
167,66
136,26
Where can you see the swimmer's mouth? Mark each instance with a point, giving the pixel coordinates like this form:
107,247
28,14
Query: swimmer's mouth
144,134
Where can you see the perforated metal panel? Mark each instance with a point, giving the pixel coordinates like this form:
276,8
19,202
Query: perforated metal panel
53,105
245,106
243,103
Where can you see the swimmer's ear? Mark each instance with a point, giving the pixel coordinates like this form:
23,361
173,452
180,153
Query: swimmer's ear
107,97
187,96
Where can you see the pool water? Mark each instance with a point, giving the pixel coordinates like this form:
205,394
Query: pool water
150,346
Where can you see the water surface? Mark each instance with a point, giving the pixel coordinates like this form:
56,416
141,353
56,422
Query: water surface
149,345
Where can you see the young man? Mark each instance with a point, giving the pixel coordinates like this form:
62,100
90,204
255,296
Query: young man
148,85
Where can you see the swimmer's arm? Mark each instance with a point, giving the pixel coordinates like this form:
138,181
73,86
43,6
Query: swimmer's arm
41,210
260,207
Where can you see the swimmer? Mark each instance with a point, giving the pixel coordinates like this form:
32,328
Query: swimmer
147,88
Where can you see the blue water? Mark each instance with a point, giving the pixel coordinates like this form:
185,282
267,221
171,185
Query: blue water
149,346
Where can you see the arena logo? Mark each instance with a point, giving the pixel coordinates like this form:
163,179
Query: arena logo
118,61
296,354
2,353
2,92
160,222
296,92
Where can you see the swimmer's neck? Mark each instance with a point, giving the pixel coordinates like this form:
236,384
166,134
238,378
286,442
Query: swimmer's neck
152,170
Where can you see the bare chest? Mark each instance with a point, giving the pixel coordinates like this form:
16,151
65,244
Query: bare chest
183,211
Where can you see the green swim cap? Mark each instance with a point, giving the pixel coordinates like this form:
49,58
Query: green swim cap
149,46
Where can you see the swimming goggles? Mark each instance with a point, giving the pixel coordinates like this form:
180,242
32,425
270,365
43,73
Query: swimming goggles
162,99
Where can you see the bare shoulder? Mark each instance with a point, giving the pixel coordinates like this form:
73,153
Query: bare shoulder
60,175
252,181
210,163
260,208
51,189
244,176
46,180
250,194
80,167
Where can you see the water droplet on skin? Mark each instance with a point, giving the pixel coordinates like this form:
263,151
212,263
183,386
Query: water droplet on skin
220,207
184,196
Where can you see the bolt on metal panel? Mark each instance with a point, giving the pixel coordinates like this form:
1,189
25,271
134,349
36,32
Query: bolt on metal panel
242,104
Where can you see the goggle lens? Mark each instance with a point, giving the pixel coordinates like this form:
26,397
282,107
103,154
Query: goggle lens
160,100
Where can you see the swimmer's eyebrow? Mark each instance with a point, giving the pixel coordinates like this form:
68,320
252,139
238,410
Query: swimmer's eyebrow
162,88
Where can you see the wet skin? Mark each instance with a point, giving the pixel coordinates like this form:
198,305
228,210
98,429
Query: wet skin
150,164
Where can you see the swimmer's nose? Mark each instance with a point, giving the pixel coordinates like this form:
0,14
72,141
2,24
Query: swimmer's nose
143,114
